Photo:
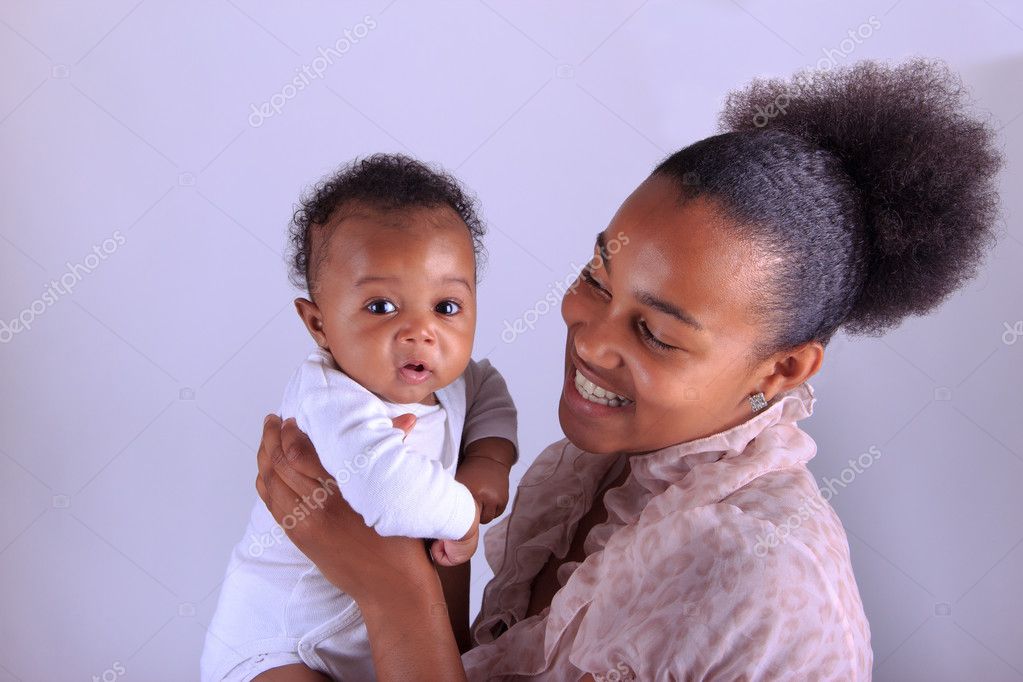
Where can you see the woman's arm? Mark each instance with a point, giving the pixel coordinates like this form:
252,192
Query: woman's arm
410,633
391,578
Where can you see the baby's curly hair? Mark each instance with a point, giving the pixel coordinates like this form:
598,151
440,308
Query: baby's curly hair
870,187
383,181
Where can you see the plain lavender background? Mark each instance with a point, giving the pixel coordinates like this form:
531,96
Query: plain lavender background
132,407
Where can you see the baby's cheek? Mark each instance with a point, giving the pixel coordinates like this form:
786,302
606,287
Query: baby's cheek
461,352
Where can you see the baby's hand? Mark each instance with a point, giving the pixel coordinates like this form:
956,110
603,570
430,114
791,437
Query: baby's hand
455,552
487,480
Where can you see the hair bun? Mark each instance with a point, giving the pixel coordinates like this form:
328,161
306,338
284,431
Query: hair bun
925,169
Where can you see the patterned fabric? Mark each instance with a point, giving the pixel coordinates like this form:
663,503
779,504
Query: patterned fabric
719,560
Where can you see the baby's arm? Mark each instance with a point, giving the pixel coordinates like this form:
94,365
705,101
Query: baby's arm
395,493
490,411
484,470
489,443
488,452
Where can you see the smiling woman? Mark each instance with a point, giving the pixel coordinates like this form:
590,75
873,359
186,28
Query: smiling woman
661,322
636,545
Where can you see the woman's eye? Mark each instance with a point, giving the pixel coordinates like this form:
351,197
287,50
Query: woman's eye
448,307
587,275
649,337
381,307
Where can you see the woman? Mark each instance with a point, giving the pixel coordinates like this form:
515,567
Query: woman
676,532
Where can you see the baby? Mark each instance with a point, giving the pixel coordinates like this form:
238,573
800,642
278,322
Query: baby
388,250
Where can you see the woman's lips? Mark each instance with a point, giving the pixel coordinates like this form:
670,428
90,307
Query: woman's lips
598,394
587,408
414,373
593,386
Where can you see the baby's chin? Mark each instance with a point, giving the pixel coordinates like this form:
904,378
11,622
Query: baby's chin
404,397
399,391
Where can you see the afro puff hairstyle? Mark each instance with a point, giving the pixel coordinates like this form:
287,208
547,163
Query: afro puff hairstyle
870,189
382,181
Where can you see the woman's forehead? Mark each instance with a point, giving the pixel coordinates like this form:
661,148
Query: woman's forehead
683,253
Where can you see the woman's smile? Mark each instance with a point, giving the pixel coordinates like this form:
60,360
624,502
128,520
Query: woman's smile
589,399
598,394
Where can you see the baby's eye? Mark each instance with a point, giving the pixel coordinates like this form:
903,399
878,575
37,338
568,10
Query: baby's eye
447,307
381,307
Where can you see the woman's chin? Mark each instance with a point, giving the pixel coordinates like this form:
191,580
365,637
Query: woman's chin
584,436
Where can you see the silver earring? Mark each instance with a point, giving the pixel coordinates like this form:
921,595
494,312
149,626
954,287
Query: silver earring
757,402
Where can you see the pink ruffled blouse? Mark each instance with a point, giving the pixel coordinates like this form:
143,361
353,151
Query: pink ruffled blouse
719,560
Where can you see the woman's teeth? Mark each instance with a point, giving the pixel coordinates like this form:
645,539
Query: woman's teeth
596,394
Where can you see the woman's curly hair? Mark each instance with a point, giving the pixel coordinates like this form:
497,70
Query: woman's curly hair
383,181
870,189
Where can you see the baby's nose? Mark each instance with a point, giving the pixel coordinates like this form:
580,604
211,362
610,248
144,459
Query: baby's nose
418,334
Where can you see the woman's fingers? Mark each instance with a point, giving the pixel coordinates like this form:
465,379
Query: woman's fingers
284,437
299,451
269,450
260,488
279,485
280,499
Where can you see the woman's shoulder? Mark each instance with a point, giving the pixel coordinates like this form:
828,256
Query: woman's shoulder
681,580
793,508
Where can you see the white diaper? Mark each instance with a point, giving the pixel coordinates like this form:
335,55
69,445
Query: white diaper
281,612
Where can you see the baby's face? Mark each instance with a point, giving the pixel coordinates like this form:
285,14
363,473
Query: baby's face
396,300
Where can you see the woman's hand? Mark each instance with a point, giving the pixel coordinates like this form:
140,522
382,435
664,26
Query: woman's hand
397,589
306,502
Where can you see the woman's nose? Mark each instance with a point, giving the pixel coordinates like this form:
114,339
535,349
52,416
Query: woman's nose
597,344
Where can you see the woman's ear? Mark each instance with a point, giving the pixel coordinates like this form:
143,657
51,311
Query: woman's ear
791,368
310,314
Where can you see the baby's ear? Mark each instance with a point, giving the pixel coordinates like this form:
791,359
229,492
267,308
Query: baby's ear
313,320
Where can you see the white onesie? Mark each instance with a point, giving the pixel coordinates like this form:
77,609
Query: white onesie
275,607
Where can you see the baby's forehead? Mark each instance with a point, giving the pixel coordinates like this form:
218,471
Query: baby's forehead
415,246
362,226
406,216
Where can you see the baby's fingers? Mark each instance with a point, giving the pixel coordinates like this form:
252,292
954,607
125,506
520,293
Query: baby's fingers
439,553
488,513
405,422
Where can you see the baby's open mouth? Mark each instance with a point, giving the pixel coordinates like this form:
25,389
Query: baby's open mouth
414,372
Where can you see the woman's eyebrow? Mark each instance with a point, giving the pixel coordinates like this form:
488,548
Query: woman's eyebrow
648,299
645,297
